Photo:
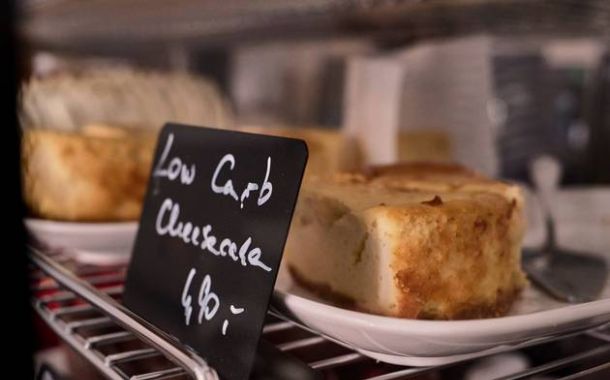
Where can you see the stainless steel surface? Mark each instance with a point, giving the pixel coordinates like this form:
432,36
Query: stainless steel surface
116,26
110,349
566,275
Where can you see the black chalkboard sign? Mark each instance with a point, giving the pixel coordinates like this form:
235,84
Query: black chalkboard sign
211,238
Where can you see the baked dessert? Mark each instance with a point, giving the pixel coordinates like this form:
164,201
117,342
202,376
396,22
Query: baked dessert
424,145
121,96
330,151
98,174
430,241
95,170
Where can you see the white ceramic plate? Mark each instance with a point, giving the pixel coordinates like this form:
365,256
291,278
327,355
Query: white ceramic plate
583,221
423,343
96,243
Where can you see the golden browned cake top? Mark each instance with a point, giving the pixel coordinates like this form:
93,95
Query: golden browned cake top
429,177
451,176
421,170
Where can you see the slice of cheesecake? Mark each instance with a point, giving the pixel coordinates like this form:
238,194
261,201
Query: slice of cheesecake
98,174
426,241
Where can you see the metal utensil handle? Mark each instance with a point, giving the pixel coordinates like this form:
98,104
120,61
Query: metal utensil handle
157,338
545,172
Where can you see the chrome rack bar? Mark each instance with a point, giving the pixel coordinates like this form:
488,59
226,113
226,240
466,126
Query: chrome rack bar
277,326
336,360
559,363
120,336
93,280
128,356
69,296
162,374
157,338
587,372
300,343
73,340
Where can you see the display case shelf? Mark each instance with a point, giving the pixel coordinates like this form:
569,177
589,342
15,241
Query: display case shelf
82,305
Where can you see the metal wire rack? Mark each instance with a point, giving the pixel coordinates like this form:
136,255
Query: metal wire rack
81,304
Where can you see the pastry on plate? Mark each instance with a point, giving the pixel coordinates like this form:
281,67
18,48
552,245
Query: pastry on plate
97,174
424,145
330,151
119,95
429,241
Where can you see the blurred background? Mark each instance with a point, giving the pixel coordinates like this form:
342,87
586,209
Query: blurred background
487,83
490,84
